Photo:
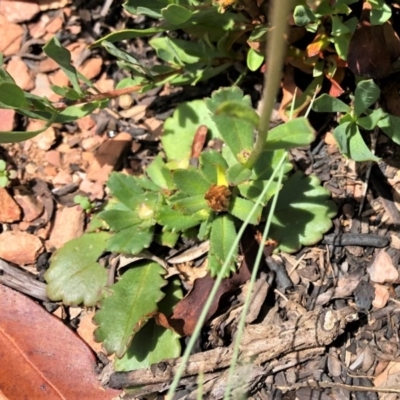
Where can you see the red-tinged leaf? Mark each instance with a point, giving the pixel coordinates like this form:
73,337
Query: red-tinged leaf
336,90
40,357
199,141
320,43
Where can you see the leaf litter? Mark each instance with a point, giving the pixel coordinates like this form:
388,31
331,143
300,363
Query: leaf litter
78,158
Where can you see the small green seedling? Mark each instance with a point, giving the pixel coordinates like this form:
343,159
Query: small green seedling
6,174
359,115
84,203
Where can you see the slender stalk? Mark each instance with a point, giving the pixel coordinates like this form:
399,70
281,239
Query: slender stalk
217,283
275,52
246,304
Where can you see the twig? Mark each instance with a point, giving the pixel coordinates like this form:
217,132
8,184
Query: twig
22,281
355,239
331,385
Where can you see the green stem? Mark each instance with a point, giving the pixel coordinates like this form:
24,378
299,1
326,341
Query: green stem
275,52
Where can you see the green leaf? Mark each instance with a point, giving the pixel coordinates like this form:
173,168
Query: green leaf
176,14
62,57
190,205
159,174
370,121
238,173
366,94
180,52
175,221
72,113
153,343
144,7
240,208
237,134
326,103
3,165
252,190
390,124
212,164
125,188
267,162
303,213
19,136
12,96
294,133
74,275
128,34
380,13
338,27
254,59
190,181
131,240
66,92
118,216
123,313
180,129
167,238
351,144
222,237
239,110
3,181
303,15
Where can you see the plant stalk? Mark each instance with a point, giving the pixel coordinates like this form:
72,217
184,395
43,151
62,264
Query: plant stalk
275,52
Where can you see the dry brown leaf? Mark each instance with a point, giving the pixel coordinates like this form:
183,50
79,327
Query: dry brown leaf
382,269
40,357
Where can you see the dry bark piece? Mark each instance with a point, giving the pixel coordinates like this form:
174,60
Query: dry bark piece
41,357
260,344
20,247
9,209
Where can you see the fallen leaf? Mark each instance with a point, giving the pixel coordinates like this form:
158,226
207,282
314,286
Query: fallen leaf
40,357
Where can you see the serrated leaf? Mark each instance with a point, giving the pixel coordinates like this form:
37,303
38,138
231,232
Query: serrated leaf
159,174
190,181
174,220
131,240
123,313
254,59
239,110
303,213
294,133
74,275
190,205
240,208
153,343
365,95
326,103
176,14
62,57
180,129
212,165
237,174
252,190
118,216
222,237
167,238
12,96
237,134
351,144
125,188
266,164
